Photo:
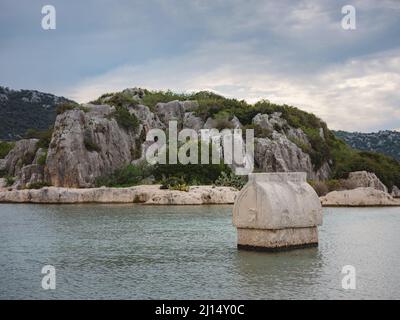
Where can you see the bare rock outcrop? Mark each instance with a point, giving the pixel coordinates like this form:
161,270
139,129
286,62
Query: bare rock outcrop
366,179
87,145
279,154
190,120
360,197
148,119
22,154
395,192
174,110
146,194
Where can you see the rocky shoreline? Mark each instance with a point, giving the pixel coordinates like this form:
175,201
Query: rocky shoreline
359,197
197,195
145,194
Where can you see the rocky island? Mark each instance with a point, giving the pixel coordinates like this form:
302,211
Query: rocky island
94,152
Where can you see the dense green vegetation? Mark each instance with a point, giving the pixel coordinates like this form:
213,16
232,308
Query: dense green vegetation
174,183
151,98
231,180
5,148
386,142
21,110
127,176
90,145
65,106
125,119
347,160
9,181
42,159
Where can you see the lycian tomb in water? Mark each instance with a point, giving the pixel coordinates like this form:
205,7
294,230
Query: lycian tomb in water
277,211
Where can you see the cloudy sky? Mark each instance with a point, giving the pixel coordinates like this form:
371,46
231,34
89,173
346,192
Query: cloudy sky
293,52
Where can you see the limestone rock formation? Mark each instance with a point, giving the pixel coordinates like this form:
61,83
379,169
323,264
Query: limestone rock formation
147,194
3,184
360,197
395,192
87,145
279,154
262,120
366,179
277,210
174,110
148,119
88,142
190,120
22,154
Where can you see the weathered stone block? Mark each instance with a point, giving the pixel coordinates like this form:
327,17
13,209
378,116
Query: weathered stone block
277,210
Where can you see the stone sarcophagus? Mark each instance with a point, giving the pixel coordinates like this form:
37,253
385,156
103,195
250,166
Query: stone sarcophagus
277,211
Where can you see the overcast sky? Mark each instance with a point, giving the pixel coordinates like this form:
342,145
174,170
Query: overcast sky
293,52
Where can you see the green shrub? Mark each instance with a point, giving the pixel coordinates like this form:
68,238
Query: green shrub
259,132
121,99
190,173
125,119
231,180
304,147
27,158
37,185
43,136
9,181
63,107
5,148
42,159
151,98
174,183
102,98
127,176
90,145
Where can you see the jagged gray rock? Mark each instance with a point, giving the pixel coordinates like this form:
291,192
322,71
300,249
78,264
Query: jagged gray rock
279,154
70,163
148,119
360,197
236,123
366,179
296,134
262,120
190,120
147,194
395,192
170,111
30,174
22,154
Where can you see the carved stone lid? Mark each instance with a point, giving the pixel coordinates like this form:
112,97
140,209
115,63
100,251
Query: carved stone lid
278,177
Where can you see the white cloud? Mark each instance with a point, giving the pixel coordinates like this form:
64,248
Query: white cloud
360,94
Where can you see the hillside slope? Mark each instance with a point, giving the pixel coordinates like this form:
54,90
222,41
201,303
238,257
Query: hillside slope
386,142
21,110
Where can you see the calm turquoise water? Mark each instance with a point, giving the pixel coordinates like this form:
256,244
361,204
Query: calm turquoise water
143,252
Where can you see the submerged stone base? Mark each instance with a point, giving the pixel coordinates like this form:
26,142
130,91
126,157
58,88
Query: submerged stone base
277,239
